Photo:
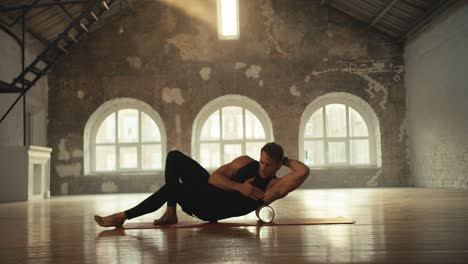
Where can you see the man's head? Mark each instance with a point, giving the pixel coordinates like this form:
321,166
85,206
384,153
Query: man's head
271,159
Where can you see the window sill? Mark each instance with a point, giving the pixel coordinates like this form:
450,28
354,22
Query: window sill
129,173
346,168
342,168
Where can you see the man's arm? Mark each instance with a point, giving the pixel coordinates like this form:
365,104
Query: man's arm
221,178
279,188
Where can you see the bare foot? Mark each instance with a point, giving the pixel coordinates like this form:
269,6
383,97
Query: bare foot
112,233
115,220
168,218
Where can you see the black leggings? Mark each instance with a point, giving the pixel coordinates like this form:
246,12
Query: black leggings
186,183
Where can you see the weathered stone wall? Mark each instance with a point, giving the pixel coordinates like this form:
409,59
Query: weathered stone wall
289,53
437,97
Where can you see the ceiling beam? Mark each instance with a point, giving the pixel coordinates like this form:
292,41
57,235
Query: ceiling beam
361,18
37,35
34,33
428,16
42,4
382,13
64,12
9,32
23,12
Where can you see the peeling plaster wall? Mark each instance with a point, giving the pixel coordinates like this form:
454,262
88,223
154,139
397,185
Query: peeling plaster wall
289,53
437,80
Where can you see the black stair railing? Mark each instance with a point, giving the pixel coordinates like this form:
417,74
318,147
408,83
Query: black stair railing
64,42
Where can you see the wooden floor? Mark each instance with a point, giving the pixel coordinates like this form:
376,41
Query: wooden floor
393,225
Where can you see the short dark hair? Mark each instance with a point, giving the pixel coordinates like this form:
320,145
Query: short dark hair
274,151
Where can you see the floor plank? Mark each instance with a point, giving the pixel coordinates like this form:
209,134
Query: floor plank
393,225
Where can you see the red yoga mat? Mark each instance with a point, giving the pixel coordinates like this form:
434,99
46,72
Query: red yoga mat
227,223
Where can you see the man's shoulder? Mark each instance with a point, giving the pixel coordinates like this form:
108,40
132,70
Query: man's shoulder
242,161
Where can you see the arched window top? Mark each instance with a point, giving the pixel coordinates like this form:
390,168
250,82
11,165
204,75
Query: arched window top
339,129
124,135
228,127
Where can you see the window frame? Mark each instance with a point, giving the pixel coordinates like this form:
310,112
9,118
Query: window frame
100,115
367,114
216,105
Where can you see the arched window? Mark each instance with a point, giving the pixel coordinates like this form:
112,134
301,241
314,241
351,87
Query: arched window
228,127
124,135
339,129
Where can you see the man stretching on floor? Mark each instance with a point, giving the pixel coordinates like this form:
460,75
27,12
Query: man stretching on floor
234,189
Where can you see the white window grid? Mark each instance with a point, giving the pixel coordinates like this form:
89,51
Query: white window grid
350,101
118,145
99,116
243,141
226,101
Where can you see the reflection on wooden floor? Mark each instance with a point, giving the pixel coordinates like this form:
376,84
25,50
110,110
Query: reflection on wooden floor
393,225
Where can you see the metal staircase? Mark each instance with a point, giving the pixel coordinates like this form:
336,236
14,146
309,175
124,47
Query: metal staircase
54,51
64,42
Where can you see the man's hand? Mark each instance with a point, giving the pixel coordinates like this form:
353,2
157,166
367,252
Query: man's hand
248,190
279,188
221,177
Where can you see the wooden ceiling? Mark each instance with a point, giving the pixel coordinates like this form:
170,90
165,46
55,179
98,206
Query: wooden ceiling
395,18
48,18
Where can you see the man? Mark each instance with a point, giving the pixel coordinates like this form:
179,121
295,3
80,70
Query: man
234,189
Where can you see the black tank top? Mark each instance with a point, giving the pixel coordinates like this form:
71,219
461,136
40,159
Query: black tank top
249,171
232,204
